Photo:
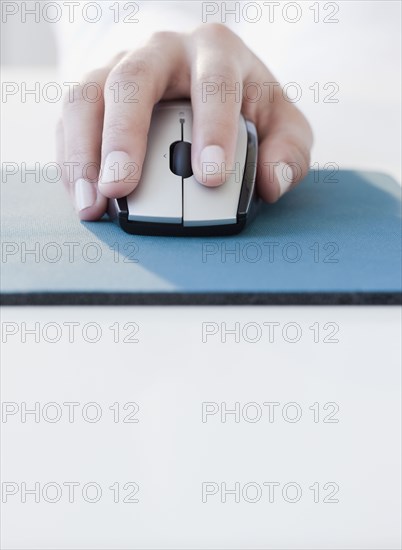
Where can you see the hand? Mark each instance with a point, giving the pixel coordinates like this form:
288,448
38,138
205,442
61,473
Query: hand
112,134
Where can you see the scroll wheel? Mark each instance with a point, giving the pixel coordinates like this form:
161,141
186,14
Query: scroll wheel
180,159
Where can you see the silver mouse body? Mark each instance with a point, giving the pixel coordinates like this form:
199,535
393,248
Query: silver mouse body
168,200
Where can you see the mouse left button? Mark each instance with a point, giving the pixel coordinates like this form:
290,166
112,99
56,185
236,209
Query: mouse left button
158,196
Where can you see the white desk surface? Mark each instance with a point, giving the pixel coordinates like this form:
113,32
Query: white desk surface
171,452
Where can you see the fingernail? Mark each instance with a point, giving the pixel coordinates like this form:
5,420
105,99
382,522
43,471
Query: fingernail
284,176
85,194
118,166
212,160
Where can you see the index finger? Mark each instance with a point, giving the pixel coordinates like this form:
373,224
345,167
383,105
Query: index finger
132,89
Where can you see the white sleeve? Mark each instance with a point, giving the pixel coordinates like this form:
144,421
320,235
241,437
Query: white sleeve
88,38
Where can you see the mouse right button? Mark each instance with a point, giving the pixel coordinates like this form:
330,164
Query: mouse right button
204,205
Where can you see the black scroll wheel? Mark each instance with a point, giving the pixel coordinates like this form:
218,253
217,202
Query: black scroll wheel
180,159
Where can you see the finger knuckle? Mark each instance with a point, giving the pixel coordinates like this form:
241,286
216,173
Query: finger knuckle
118,126
224,77
163,37
128,68
213,31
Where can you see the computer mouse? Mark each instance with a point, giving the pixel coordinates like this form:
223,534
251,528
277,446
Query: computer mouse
168,200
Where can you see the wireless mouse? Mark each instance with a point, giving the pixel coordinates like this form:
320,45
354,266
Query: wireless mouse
168,200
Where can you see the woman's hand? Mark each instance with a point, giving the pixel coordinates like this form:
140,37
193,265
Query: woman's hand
100,141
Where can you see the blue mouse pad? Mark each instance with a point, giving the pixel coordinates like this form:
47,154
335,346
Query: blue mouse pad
336,239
